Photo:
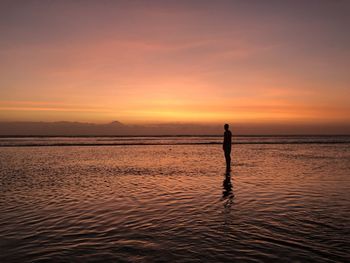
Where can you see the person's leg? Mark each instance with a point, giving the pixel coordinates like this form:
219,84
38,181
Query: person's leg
228,160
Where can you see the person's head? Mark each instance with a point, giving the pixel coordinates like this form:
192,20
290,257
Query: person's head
226,127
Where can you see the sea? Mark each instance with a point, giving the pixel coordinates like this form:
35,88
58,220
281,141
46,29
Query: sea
169,199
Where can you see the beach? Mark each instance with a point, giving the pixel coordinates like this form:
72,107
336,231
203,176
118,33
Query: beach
167,199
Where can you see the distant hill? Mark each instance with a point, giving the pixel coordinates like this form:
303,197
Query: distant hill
111,129
117,128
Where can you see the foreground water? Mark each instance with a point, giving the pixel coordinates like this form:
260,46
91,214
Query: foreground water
172,202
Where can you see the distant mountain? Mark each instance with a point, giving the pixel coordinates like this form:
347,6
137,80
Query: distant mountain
116,128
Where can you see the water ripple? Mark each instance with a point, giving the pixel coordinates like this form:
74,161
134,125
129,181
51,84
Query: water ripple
141,204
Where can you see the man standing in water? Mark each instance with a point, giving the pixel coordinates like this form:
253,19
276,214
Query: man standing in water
226,146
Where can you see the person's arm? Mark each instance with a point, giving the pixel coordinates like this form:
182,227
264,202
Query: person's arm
224,142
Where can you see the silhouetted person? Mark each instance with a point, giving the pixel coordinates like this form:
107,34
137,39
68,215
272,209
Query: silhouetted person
226,146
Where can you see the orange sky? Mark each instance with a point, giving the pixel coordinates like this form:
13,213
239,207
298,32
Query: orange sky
175,61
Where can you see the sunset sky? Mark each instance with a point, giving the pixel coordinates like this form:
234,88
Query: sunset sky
175,61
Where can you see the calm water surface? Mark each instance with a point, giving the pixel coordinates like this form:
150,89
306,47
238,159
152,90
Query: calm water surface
173,203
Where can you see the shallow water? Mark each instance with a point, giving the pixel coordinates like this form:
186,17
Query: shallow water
167,140
146,203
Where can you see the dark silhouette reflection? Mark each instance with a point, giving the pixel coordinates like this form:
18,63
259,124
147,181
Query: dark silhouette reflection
228,201
226,146
227,187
